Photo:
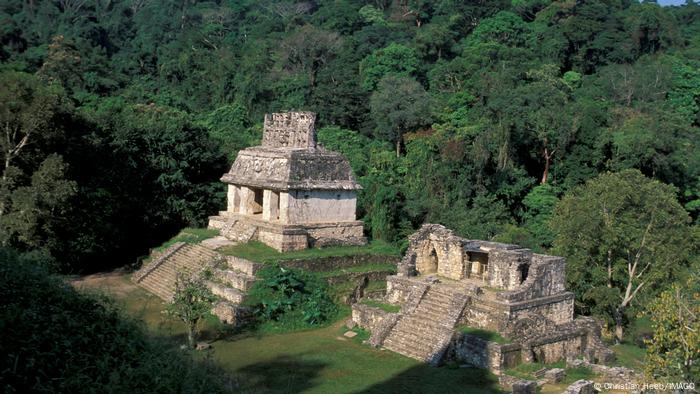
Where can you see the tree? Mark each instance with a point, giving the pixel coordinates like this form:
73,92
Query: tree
623,235
28,109
191,302
674,350
395,59
399,105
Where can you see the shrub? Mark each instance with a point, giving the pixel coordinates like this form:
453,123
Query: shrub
58,340
293,298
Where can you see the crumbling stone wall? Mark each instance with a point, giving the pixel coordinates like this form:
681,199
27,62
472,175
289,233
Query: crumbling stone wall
546,276
290,130
507,269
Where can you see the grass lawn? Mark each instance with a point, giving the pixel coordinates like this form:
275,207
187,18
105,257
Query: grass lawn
359,268
484,334
313,361
629,355
261,253
391,308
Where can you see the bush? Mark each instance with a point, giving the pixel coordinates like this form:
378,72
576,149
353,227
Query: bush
58,340
292,298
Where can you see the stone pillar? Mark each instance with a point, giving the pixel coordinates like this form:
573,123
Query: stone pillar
271,203
284,207
233,199
247,199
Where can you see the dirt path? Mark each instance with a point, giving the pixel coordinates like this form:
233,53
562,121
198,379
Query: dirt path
115,282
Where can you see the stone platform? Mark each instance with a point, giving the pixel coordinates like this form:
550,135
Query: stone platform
287,237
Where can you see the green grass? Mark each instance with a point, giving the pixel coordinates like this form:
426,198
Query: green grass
527,370
362,334
191,236
578,373
311,361
261,253
360,268
484,334
629,355
391,308
340,290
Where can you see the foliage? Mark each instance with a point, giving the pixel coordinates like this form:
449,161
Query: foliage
394,60
625,236
133,110
399,105
674,350
192,301
290,298
58,340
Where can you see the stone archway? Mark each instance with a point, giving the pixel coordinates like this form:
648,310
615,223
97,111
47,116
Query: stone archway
427,261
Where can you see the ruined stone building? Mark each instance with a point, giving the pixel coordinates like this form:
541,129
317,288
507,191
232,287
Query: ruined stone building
289,192
448,286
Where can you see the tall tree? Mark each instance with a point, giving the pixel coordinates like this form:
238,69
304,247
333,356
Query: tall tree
624,235
399,105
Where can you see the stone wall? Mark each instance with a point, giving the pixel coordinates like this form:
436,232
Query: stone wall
378,322
290,130
547,276
399,290
476,351
507,269
319,206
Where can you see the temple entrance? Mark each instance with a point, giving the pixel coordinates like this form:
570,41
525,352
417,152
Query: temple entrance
427,262
255,205
522,272
479,263
271,205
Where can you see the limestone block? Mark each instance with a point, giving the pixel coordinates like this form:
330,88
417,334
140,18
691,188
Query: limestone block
580,387
271,203
525,387
290,130
555,375
233,198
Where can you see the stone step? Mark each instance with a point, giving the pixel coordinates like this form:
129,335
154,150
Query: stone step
424,337
189,258
243,265
421,323
424,308
235,279
410,350
227,293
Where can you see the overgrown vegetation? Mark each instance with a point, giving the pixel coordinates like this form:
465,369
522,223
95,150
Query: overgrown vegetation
55,339
502,120
190,235
289,299
261,253
391,308
192,302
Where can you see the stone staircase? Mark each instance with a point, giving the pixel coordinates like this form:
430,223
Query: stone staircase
238,231
425,332
160,275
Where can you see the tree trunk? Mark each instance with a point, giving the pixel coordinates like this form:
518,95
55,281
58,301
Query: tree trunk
190,335
619,328
398,147
547,161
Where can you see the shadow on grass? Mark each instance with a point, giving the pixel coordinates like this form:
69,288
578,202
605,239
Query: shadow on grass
426,379
284,374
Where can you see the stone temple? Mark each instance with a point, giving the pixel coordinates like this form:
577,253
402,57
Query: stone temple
290,193
456,295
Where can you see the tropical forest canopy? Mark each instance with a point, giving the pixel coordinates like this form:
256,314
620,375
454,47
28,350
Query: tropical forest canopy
566,126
